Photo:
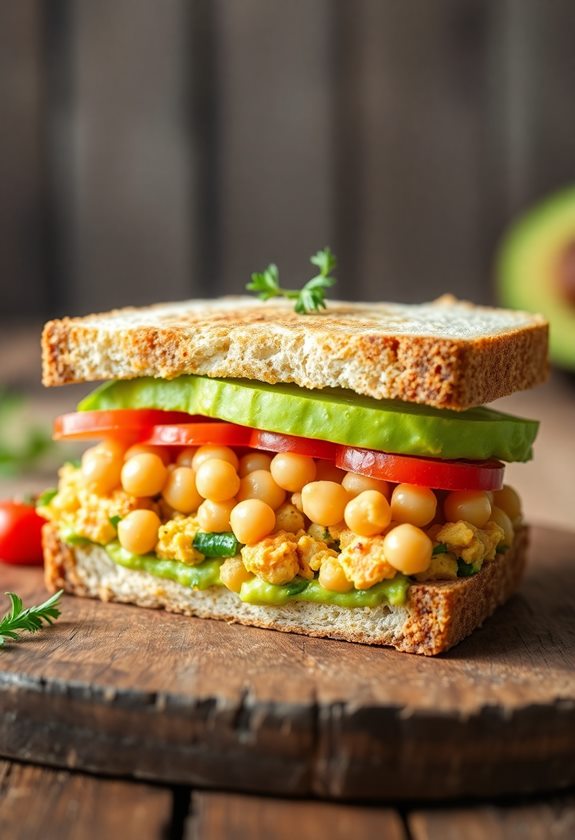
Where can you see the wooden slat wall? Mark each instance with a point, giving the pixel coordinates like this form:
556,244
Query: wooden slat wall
193,142
132,232
21,181
275,178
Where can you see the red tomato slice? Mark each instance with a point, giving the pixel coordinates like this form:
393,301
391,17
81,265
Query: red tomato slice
198,434
275,442
427,472
125,423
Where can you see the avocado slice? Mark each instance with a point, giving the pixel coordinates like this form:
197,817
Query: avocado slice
536,270
330,414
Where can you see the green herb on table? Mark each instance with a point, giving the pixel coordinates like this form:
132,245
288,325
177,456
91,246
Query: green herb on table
30,619
310,298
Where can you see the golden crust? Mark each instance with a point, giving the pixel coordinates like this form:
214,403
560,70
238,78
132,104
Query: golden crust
436,617
448,354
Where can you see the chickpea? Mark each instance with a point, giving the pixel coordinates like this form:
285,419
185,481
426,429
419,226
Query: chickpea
252,520
217,480
116,448
324,502
413,504
507,499
470,505
355,483
209,451
289,518
292,471
144,475
332,576
138,531
180,490
500,518
296,501
408,549
215,516
326,471
260,484
252,461
368,514
186,456
141,448
101,470
233,573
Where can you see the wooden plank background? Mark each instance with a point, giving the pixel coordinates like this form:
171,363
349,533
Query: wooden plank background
154,151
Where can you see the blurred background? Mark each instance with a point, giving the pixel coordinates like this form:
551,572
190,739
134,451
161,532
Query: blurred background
153,151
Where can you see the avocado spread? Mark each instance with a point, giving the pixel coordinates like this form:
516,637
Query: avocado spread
257,591
353,420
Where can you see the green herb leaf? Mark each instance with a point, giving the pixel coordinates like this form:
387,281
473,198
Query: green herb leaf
114,520
311,298
296,586
46,497
222,544
466,569
30,619
440,548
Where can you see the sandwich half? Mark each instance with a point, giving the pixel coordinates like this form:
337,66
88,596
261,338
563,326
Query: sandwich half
332,474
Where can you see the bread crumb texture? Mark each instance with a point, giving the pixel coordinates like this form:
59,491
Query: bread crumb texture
449,353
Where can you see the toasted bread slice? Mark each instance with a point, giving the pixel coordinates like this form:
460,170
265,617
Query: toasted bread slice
437,615
448,354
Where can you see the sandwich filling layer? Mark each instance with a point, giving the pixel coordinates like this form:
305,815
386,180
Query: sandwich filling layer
400,533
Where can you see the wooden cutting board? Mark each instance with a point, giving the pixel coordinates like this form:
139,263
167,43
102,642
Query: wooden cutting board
132,692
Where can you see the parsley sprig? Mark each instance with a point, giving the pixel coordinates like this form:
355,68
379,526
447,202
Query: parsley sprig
19,619
310,298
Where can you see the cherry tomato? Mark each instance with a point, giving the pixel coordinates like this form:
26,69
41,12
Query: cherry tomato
275,442
427,472
126,423
197,434
20,534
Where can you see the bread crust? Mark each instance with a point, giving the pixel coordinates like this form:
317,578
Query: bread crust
448,354
437,615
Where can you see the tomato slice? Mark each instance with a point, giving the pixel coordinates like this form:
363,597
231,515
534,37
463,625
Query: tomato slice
124,423
276,442
198,434
427,472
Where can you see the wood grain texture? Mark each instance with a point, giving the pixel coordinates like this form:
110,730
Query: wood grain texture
550,820
220,816
37,803
133,692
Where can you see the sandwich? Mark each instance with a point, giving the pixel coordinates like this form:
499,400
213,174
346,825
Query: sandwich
332,474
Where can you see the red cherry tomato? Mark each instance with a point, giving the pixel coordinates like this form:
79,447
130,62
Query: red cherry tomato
126,423
20,534
427,472
197,434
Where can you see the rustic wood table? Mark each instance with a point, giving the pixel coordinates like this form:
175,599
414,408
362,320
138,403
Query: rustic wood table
119,722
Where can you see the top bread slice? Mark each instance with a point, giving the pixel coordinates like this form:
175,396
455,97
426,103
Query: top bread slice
448,354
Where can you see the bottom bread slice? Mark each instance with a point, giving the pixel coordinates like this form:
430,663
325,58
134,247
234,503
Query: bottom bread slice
436,616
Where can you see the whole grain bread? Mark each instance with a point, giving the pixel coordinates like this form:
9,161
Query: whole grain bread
436,616
449,353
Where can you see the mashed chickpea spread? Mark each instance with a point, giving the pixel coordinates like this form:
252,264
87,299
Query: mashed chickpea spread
272,528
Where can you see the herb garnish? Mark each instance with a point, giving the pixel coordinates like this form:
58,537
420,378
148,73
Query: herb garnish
30,619
311,298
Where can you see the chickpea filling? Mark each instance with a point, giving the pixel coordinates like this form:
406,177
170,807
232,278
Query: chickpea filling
278,518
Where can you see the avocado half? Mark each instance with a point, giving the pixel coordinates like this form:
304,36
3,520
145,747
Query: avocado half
536,270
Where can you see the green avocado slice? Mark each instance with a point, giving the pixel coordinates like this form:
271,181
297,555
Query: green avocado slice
330,414
535,269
